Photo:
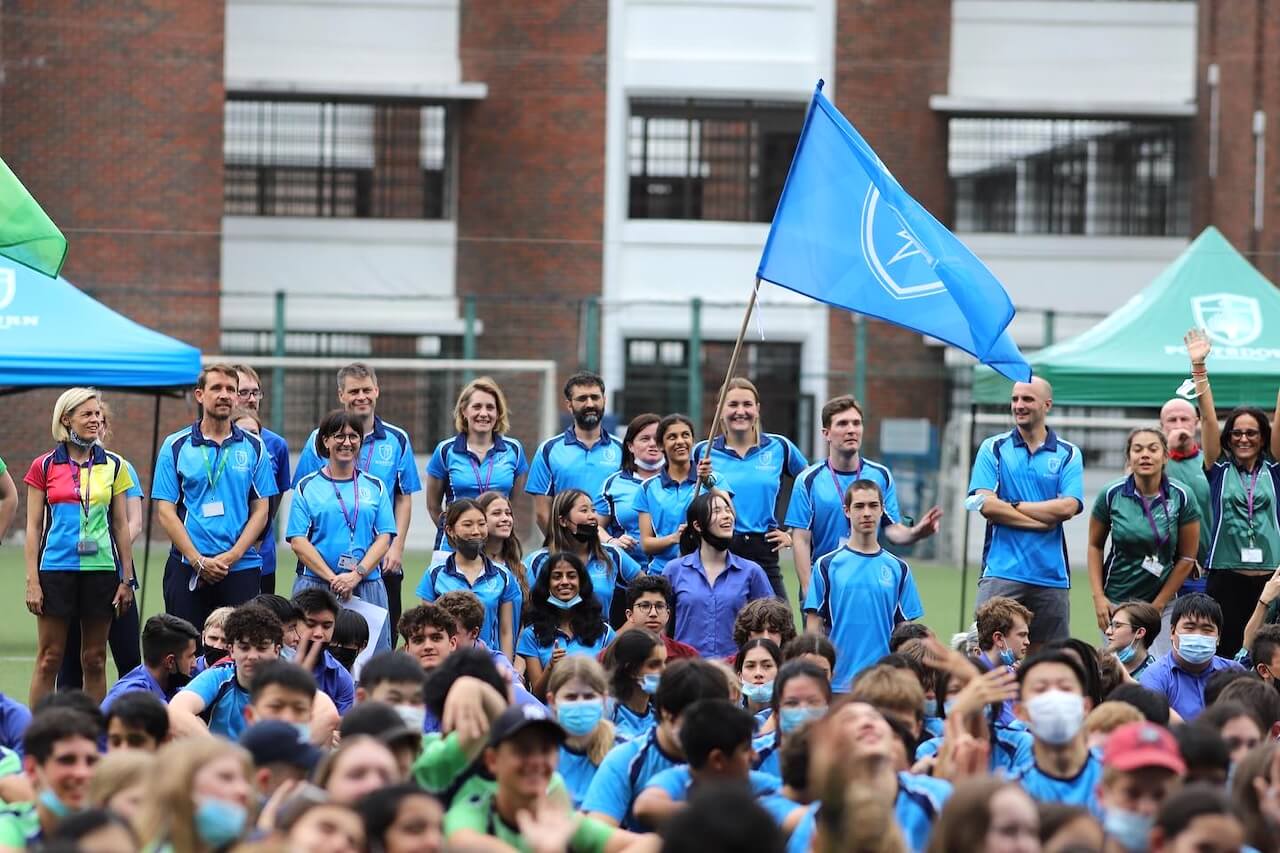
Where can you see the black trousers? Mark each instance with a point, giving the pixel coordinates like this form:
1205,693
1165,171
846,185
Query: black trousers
757,549
122,640
196,605
393,584
1237,594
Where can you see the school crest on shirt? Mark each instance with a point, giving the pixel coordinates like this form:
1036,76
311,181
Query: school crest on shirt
765,459
1055,465
240,460
610,454
366,495
384,453
886,575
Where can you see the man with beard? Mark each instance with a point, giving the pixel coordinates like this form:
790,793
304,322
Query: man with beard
579,458
168,655
1180,424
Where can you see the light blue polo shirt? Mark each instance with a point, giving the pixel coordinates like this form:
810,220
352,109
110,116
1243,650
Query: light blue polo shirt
861,597
222,693
667,503
385,452
317,514
1079,790
754,479
196,475
466,476
817,501
529,647
1055,470
577,771
278,450
628,724
617,500
134,491
919,802
605,578
623,774
563,462
676,781
495,587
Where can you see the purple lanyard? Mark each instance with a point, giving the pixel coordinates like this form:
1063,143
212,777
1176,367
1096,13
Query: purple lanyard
354,517
1146,510
483,486
1248,492
82,498
368,457
831,469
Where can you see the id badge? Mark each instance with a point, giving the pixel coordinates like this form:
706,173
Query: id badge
87,547
1251,555
212,509
347,563
1152,565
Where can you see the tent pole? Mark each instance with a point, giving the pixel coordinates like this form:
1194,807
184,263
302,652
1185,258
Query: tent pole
964,536
146,545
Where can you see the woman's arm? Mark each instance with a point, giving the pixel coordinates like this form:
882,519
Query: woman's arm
1198,347
1188,545
435,498
8,502
1098,533
310,557
124,547
1269,594
133,508
506,637
31,549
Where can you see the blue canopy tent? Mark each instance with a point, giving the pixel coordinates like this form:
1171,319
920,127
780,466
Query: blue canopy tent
54,335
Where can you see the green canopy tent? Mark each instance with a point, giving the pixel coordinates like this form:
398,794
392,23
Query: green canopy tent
1135,356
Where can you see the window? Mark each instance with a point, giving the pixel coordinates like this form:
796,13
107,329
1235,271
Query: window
1070,176
383,160
711,160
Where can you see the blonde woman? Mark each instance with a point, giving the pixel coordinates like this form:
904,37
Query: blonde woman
119,782
198,797
78,554
576,693
480,458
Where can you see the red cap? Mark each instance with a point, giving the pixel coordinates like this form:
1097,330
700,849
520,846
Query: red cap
1137,745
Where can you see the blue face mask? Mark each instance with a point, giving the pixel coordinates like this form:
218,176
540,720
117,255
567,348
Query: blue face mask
1126,654
1196,648
219,822
649,683
1129,829
758,693
1007,658
947,706
580,718
53,804
564,605
790,719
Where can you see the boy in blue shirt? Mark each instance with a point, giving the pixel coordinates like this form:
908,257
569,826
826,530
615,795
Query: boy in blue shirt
858,593
1196,623
168,656
320,609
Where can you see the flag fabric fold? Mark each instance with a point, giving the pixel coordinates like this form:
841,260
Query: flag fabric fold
27,234
846,233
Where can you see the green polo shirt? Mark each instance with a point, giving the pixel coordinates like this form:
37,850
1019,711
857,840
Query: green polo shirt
1190,473
19,825
442,768
1133,539
1232,533
477,813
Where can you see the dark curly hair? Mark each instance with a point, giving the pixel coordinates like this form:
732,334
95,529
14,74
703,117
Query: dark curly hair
587,617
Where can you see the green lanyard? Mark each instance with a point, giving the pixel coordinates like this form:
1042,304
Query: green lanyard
214,476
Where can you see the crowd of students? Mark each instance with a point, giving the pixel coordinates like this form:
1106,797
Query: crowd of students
641,681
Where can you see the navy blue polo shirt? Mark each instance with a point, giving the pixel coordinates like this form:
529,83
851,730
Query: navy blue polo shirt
212,486
334,681
138,679
278,450
563,462
1005,467
623,774
317,514
667,503
754,479
817,502
385,452
14,719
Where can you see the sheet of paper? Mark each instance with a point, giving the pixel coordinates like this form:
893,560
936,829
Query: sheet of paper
375,616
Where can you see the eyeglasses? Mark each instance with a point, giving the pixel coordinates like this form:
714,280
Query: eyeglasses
345,439
1244,433
1115,626
254,394
651,606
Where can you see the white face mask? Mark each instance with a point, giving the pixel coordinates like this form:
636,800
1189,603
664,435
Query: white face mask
1056,716
412,715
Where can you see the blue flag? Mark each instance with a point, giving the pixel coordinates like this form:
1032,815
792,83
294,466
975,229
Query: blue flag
847,233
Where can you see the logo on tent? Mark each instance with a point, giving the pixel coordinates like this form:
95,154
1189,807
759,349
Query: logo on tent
8,287
893,254
1230,320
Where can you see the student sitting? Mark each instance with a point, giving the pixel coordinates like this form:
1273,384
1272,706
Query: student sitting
395,679
576,694
168,656
1181,675
137,721
350,639
320,609
61,750
565,618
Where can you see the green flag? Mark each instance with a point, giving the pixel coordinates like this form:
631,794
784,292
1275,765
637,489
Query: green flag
27,234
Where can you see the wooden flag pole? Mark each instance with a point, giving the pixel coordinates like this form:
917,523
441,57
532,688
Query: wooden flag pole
724,386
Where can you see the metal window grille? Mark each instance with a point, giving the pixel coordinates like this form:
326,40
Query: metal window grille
710,160
1070,176
373,159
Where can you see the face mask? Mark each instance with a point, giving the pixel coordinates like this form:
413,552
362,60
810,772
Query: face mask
1007,658
470,548
580,718
1056,716
212,655
219,822
947,706
790,719
177,681
930,707
288,653
304,732
53,805
79,441
1196,648
650,466
758,693
412,716
720,543
346,657
1129,829
564,605
1126,654
587,532
649,682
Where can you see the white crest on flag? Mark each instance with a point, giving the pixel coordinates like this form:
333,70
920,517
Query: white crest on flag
887,242
1228,319
8,287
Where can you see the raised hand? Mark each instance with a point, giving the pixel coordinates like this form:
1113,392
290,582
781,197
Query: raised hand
1198,345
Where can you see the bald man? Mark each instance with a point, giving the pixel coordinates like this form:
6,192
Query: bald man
1180,423
1026,482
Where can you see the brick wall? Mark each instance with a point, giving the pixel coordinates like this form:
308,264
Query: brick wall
890,57
113,119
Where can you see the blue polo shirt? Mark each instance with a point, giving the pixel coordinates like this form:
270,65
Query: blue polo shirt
667,503
134,491
767,759
705,613
617,573
1011,750
617,500
278,450
1183,689
196,474
754,479
464,475
138,679
1079,790
224,699
676,781
528,645
334,681
563,462
14,719
623,774
577,771
629,725
817,502
317,515
385,452
1055,470
494,587
919,802
861,597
